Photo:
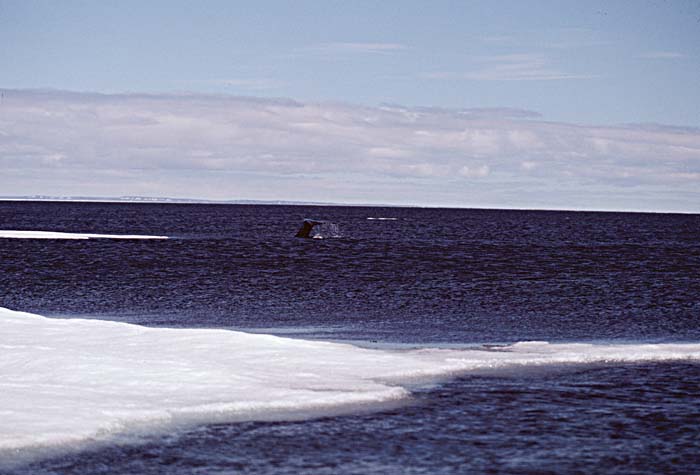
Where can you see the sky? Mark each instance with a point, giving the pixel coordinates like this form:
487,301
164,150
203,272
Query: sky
507,104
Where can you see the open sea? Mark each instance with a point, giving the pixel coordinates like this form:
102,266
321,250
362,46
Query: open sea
391,280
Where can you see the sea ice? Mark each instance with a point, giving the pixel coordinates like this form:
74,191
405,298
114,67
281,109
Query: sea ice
59,235
69,381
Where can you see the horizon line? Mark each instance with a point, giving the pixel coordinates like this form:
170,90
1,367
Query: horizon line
170,200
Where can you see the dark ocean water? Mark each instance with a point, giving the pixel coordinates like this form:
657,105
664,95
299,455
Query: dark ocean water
425,277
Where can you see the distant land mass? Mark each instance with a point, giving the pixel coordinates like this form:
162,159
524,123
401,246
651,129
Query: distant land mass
160,199
154,199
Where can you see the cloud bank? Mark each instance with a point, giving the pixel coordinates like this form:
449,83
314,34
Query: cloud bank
225,147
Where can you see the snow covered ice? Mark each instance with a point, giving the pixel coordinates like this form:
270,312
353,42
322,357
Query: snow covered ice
68,381
59,235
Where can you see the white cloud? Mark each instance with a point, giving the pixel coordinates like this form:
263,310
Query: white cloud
510,67
479,171
662,55
225,147
528,165
354,48
251,84
389,152
499,39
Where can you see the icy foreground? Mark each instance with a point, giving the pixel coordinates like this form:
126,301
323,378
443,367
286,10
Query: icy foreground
64,382
58,235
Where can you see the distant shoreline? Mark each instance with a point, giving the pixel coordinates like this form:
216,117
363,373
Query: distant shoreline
167,200
145,199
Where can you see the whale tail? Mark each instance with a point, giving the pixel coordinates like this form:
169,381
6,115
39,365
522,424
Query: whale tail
306,227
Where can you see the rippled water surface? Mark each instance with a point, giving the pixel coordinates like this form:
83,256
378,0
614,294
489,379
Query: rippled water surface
427,277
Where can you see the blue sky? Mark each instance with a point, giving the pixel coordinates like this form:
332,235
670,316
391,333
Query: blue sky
598,68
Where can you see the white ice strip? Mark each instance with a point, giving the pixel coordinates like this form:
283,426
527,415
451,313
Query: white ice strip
59,235
382,219
65,382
